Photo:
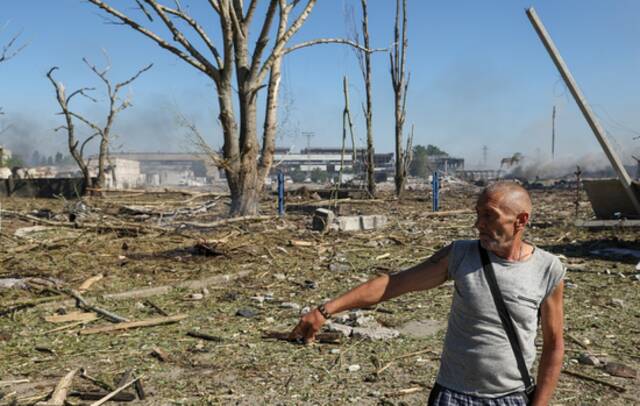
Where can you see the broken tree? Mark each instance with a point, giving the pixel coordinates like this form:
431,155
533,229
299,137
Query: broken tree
102,131
246,161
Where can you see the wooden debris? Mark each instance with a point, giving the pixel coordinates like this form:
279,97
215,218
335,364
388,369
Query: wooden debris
73,316
60,392
160,354
25,304
620,370
13,382
87,283
66,326
299,243
119,397
406,391
223,222
139,389
115,392
95,381
594,379
83,304
204,336
383,256
322,338
155,307
411,354
157,321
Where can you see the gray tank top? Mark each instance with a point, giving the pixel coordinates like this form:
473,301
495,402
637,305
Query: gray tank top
477,358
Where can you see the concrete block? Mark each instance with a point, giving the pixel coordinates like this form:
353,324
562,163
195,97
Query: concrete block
322,219
349,223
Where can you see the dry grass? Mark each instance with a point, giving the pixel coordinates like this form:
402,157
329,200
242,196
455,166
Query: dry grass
245,369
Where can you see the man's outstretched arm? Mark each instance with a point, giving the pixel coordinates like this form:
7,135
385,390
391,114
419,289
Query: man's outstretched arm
426,275
552,346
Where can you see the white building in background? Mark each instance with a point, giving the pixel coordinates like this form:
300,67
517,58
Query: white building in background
119,173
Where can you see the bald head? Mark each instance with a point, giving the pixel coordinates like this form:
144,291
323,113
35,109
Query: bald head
510,196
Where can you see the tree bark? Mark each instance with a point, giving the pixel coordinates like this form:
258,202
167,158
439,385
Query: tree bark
368,113
400,84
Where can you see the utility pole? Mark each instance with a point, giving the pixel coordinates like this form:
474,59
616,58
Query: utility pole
308,135
597,129
484,156
553,134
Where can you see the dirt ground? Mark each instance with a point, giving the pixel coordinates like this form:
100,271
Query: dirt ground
143,249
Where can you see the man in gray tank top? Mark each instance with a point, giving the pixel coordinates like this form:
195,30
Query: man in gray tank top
478,365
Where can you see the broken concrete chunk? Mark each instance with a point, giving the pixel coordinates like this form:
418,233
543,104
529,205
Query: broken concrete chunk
354,368
322,219
616,302
374,333
421,328
339,328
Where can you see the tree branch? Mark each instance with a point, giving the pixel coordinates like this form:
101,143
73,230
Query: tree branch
205,68
198,29
343,41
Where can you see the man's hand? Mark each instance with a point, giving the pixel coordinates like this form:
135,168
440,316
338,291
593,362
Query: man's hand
308,327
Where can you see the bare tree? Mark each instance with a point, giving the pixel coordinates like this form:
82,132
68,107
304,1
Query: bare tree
400,83
9,50
103,132
364,60
247,161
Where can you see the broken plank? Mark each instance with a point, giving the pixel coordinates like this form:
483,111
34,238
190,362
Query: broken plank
594,379
60,392
156,321
90,281
73,316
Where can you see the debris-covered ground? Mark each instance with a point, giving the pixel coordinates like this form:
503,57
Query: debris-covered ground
226,289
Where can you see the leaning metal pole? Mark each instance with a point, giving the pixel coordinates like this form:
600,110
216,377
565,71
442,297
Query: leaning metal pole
584,107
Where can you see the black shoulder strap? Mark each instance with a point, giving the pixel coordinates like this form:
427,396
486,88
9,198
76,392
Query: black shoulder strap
505,317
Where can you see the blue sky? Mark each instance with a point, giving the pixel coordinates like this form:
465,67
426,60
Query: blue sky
479,76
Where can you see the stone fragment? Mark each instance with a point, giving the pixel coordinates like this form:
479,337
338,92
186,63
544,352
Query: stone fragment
354,368
339,328
588,359
196,296
421,328
374,333
616,302
248,313
290,305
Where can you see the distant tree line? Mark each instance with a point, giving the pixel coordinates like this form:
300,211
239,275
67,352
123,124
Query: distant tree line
420,166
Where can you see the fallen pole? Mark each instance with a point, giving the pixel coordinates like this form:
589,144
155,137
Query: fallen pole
597,129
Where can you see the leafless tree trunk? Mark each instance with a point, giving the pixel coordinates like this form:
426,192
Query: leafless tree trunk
400,83
116,105
246,164
72,141
364,58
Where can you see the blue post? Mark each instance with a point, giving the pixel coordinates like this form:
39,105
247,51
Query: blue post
435,185
280,193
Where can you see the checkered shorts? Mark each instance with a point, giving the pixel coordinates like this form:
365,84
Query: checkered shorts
441,396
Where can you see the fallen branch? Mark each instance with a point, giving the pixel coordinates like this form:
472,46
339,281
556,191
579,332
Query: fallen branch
82,303
411,354
25,304
115,392
157,321
204,336
60,392
596,380
74,316
223,222
13,382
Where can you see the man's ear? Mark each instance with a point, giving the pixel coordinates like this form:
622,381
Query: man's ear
521,221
